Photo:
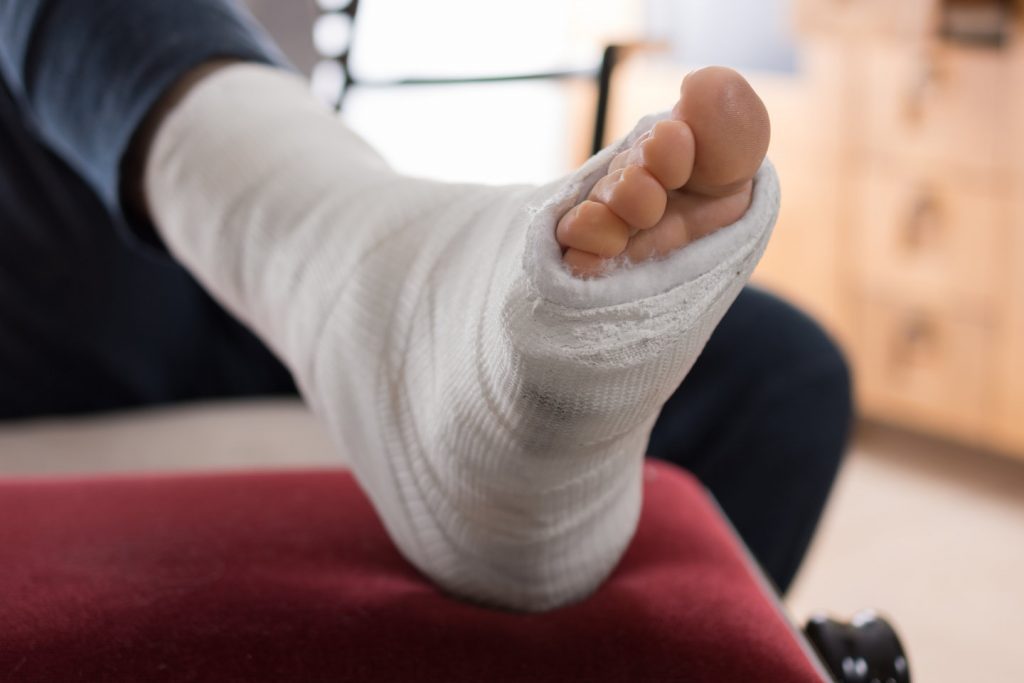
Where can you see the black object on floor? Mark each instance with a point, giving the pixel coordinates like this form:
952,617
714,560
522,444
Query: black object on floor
865,650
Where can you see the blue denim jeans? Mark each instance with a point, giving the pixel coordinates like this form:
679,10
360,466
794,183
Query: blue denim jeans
95,315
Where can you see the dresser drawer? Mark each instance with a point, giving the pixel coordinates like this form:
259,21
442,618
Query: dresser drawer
932,234
894,17
944,105
920,366
1008,418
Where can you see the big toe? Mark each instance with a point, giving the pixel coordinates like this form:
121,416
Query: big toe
730,127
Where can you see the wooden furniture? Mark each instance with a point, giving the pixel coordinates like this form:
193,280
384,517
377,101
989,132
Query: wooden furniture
923,177
902,222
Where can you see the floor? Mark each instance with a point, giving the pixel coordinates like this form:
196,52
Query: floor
931,535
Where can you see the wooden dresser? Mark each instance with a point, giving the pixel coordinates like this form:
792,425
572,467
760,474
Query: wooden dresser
901,156
918,153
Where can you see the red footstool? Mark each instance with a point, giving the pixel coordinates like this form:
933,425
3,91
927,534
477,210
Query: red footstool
290,577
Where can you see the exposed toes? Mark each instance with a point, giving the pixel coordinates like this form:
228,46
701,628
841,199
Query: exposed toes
665,151
671,233
594,228
623,159
633,194
730,125
686,177
668,153
630,201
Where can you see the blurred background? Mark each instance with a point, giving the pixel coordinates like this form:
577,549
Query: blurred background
898,133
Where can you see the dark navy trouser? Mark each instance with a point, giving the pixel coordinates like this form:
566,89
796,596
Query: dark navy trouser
94,315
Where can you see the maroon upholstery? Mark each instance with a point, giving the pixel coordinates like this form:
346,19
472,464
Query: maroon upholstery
290,577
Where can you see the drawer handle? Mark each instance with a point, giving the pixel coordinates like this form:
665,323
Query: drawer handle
924,226
916,337
927,76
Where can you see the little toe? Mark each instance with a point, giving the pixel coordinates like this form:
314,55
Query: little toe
585,265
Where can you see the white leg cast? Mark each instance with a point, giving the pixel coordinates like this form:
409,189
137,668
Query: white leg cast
494,407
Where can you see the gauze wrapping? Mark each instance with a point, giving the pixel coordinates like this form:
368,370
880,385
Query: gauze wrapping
494,407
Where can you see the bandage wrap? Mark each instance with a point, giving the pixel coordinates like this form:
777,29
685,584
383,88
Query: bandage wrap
494,407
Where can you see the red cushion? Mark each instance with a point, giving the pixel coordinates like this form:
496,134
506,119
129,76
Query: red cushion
290,577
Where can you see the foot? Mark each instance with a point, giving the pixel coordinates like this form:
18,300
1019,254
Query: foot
688,176
495,408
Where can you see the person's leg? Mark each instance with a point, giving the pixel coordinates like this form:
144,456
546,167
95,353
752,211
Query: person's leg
762,420
90,320
495,406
